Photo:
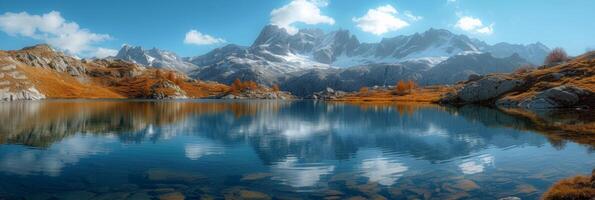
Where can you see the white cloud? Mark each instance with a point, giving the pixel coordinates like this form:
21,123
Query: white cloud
474,25
382,20
304,11
53,29
412,17
198,38
105,52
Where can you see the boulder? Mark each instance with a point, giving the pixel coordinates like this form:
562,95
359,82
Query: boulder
552,77
26,94
165,89
487,88
557,97
474,77
327,94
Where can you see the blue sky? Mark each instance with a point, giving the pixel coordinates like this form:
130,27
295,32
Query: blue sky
191,28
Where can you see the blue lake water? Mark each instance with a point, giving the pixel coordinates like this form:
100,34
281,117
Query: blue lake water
71,149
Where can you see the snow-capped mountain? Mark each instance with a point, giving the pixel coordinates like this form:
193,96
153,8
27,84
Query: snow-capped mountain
154,58
277,56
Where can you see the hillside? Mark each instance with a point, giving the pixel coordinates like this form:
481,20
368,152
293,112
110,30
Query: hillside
570,84
39,72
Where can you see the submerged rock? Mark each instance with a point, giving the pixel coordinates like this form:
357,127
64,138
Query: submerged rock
172,175
139,196
172,196
239,193
466,185
112,196
256,176
75,195
510,198
247,194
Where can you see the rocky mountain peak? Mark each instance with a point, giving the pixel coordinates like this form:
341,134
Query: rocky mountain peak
40,48
154,58
271,34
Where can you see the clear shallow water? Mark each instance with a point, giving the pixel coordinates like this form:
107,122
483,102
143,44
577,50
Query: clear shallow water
281,150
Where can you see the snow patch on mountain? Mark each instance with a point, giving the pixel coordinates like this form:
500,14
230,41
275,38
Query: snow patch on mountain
155,58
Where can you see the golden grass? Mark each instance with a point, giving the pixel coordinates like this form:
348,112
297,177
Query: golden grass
430,94
583,67
203,89
578,187
61,85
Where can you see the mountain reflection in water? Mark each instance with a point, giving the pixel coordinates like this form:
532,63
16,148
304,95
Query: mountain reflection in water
308,147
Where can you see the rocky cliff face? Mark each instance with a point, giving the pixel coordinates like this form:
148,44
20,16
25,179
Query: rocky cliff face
45,57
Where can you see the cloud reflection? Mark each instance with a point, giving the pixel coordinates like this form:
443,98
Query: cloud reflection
476,165
51,161
296,174
194,151
382,170
291,128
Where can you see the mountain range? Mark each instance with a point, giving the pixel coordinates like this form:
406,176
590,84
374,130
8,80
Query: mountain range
338,59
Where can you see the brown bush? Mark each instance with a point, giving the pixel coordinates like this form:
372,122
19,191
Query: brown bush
236,86
405,87
411,85
555,56
364,90
239,86
400,87
275,88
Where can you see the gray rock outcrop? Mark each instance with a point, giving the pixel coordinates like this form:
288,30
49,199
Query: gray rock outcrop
25,94
34,56
487,88
165,89
557,97
327,94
